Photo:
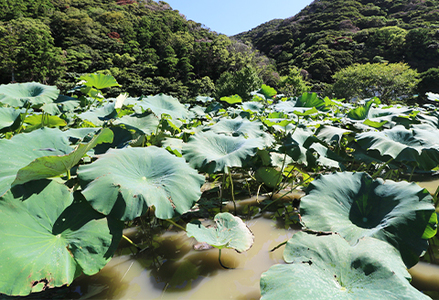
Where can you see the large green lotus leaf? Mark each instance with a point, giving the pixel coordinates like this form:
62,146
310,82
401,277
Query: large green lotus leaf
23,148
54,165
331,135
99,115
327,267
40,120
361,112
204,99
229,232
290,107
145,123
355,205
267,91
210,152
414,146
253,106
61,104
125,182
326,157
77,134
48,237
8,116
296,145
237,127
232,99
162,104
99,81
17,94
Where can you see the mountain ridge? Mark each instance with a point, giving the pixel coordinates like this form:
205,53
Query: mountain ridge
327,36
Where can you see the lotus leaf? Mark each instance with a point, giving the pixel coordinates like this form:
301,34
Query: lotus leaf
17,94
99,81
126,182
296,144
145,123
330,134
267,91
8,116
413,146
210,152
61,104
327,267
355,205
54,165
361,112
238,127
48,238
253,106
326,157
204,99
230,232
162,104
38,143
40,120
99,115
232,99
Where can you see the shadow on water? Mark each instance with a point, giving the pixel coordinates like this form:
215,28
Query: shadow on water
171,269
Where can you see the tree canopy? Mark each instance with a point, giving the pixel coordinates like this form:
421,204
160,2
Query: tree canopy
329,35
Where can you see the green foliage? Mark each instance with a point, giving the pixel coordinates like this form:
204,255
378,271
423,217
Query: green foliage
230,232
293,84
66,190
356,206
327,267
149,48
240,83
429,81
389,82
329,35
30,52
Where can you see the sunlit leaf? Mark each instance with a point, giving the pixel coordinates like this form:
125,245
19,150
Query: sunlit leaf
229,232
327,267
48,238
125,183
355,205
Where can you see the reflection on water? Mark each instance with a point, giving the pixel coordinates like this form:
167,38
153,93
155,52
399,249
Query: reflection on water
173,270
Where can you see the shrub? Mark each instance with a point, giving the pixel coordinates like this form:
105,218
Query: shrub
389,82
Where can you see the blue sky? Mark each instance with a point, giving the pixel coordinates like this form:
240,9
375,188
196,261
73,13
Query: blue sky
234,16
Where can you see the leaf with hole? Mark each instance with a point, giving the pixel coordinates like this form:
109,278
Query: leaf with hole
327,267
49,237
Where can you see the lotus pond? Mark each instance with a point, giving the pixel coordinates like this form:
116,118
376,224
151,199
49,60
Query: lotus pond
145,197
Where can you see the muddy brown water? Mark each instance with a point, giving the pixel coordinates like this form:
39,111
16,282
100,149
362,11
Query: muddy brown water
177,271
180,272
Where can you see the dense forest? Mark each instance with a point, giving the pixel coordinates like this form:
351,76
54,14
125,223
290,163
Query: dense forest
151,48
148,47
329,35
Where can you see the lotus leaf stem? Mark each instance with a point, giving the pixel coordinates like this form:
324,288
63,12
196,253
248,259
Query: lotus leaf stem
175,224
233,191
375,175
219,260
411,174
131,242
278,246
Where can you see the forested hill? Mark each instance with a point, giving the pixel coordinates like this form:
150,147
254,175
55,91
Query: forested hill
148,46
329,35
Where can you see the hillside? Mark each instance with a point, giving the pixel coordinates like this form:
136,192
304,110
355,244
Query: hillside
148,46
329,35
